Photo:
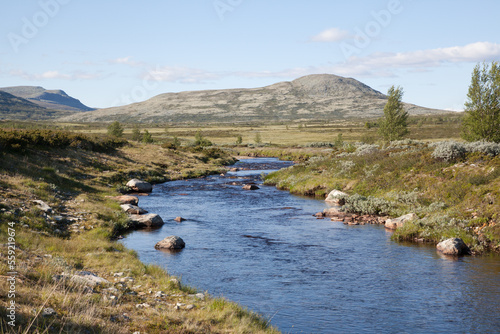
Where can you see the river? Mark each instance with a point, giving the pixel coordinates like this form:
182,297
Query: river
264,250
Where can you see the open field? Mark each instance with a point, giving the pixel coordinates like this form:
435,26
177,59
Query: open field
432,128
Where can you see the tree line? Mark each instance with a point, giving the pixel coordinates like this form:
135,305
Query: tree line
481,121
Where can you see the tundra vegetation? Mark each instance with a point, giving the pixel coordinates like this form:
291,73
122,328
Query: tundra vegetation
74,174
451,185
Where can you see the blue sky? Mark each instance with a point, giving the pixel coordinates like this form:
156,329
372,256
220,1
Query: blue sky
109,53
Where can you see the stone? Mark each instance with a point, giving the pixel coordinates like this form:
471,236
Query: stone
335,197
127,199
48,312
171,242
179,219
43,206
86,278
332,212
133,209
150,220
395,223
453,246
139,186
250,187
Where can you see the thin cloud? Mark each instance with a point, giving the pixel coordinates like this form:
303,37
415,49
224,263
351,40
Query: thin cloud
332,35
49,75
126,61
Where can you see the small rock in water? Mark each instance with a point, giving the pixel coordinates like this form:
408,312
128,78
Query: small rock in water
250,187
453,246
171,242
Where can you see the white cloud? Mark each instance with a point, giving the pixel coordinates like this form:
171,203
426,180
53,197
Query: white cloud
332,35
475,52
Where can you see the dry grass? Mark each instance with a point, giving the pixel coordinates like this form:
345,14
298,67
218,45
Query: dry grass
76,183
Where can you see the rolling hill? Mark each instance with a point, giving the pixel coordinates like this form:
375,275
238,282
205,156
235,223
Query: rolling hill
50,99
322,96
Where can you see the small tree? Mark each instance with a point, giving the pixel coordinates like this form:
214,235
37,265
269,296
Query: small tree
115,129
482,108
136,133
393,124
201,141
239,140
147,138
176,142
258,139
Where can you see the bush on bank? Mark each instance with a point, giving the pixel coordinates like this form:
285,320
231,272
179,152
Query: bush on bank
453,187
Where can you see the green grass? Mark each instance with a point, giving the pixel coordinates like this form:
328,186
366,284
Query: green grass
452,199
77,182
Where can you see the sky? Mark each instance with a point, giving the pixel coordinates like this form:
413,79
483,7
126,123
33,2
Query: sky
109,53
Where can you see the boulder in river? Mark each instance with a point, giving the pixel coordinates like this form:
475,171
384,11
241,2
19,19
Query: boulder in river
250,187
133,209
336,197
395,223
150,220
171,242
179,219
139,186
453,246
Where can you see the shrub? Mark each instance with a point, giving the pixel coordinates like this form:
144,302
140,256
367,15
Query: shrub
449,151
366,149
22,139
488,148
367,205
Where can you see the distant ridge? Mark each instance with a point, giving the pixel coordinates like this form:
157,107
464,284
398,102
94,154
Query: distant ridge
51,99
320,96
16,108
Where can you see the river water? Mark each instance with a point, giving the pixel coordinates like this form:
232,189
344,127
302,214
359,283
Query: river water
264,250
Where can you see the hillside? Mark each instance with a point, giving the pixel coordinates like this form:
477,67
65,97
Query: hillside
13,107
322,96
51,99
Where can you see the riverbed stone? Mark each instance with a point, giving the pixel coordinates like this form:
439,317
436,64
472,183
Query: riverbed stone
171,242
127,199
179,219
453,246
336,197
133,209
139,186
150,220
395,223
250,187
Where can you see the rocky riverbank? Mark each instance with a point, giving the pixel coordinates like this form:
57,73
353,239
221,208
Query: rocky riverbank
452,195
69,275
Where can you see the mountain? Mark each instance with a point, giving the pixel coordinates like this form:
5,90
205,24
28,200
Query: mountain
13,107
322,96
51,99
